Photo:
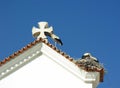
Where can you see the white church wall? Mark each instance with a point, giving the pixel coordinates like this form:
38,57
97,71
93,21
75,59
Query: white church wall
43,73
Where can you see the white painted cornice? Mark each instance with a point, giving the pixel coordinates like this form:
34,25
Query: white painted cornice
43,49
20,60
69,65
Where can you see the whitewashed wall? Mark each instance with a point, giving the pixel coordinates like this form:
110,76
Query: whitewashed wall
42,73
42,67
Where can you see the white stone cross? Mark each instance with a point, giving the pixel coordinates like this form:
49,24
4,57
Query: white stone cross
43,31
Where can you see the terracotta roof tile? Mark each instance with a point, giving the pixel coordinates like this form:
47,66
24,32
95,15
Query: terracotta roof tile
57,50
31,45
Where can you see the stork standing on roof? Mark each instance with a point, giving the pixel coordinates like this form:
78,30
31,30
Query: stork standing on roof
43,31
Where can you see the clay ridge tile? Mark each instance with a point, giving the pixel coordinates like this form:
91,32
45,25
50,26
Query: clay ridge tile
15,54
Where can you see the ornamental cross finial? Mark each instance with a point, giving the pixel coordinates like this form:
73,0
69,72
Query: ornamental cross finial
43,31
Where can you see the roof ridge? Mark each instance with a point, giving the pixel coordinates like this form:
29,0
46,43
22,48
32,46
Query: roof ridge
30,45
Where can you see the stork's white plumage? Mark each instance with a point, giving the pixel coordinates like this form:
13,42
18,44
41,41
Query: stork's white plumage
88,55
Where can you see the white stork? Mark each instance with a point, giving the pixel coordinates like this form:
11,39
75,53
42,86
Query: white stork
89,56
43,31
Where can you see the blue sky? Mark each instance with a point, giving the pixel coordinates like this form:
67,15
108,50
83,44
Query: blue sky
83,26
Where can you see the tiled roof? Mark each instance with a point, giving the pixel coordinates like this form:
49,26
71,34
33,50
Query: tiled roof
30,45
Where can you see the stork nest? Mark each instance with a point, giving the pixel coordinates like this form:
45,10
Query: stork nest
89,64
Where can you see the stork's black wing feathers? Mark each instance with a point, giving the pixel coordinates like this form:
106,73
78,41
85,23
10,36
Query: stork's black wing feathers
47,34
58,41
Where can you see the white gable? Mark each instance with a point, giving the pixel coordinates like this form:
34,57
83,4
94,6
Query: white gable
43,67
41,73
